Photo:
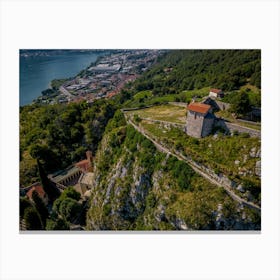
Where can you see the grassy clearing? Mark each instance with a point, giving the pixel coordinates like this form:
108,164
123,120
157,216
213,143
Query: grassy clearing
167,112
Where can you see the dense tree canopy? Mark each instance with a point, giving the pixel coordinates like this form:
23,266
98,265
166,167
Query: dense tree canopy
40,207
58,135
180,70
240,103
67,205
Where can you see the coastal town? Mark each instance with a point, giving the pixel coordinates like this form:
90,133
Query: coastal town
102,79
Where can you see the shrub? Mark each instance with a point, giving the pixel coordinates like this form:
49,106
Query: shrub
24,203
194,141
107,209
69,208
58,224
136,118
244,135
71,193
151,200
32,219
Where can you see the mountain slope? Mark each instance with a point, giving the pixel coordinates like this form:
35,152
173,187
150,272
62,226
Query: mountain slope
138,188
189,69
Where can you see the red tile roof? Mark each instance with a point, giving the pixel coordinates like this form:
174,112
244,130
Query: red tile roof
215,90
39,189
111,94
199,107
83,164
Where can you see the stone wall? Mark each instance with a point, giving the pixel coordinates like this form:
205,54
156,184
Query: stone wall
216,104
230,127
166,123
223,105
242,129
135,109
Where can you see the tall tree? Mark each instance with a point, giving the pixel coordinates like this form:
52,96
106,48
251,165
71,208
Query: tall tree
48,186
241,103
24,203
32,219
40,207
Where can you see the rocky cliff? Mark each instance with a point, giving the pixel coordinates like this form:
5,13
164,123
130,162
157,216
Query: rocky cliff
138,188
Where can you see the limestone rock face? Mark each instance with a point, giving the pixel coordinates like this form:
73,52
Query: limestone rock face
240,188
253,152
258,168
129,194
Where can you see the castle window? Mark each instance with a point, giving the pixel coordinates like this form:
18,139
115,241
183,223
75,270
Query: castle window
194,115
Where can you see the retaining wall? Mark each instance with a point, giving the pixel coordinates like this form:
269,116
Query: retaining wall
235,127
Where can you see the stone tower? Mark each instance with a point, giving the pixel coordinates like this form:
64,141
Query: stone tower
200,120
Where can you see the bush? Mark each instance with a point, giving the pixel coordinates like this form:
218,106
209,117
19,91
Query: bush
137,119
32,219
180,171
71,193
69,208
240,103
244,135
58,224
194,141
107,209
151,200
24,203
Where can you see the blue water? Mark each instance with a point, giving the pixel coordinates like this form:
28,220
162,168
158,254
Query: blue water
36,73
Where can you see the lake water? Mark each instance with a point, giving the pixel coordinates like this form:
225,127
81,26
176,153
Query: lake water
36,73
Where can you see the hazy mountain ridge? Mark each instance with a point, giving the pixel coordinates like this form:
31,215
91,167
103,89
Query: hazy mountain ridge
52,52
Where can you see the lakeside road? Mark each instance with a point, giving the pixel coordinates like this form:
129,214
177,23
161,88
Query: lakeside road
37,72
65,92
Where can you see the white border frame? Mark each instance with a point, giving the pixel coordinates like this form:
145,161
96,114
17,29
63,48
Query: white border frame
135,24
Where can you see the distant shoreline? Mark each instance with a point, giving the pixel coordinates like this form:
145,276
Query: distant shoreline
35,86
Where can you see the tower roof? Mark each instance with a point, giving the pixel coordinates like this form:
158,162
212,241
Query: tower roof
199,107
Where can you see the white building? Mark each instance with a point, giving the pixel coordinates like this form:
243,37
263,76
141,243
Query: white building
214,92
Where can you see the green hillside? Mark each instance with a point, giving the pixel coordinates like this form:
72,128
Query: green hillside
134,186
179,71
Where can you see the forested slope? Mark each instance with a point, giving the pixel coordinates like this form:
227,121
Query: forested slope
180,70
59,135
